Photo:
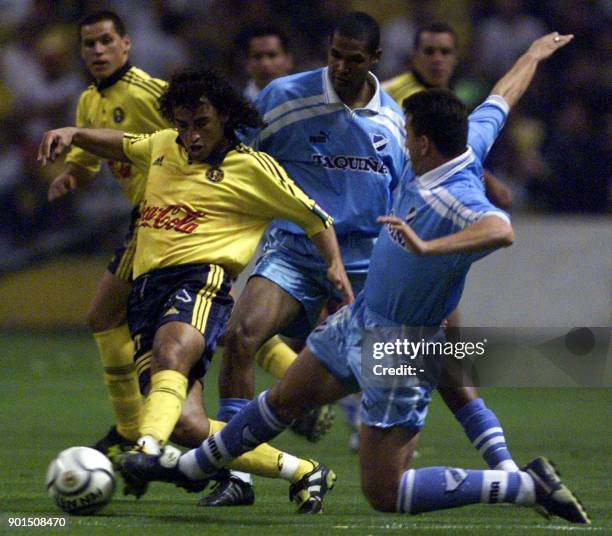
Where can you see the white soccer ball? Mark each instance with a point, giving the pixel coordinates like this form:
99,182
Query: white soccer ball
80,480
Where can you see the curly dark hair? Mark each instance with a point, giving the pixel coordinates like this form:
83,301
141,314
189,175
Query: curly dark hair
189,86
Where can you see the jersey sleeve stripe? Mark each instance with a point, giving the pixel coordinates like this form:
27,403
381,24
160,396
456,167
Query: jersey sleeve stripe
276,169
152,81
265,163
134,138
154,92
292,106
462,212
296,116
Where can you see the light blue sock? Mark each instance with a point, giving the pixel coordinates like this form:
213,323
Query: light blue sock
255,424
438,488
484,430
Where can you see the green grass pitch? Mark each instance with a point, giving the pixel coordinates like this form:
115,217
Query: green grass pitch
52,397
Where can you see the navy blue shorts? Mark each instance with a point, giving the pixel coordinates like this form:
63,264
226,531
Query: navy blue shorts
197,294
122,262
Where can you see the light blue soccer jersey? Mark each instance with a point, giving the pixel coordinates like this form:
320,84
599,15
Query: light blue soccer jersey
347,160
422,291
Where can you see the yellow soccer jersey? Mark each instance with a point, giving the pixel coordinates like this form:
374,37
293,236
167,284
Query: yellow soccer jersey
126,101
402,86
198,213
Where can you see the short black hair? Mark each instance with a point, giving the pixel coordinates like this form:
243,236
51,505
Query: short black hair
358,25
434,27
189,86
102,15
442,117
244,38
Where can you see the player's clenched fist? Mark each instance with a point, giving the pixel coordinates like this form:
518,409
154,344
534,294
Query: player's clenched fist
54,143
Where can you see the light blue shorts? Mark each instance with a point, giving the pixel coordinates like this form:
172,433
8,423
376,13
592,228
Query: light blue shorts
293,263
338,344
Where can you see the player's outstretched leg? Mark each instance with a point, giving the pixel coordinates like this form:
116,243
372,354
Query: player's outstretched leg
263,420
275,357
390,488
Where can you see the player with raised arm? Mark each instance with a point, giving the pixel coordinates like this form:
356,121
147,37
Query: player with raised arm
207,201
433,65
416,277
121,97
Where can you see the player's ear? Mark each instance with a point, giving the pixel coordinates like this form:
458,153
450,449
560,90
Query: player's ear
376,56
424,144
127,42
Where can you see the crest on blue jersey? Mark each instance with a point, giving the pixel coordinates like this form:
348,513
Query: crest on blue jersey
379,141
411,214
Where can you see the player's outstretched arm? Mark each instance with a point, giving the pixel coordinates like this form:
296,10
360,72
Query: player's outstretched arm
327,244
104,142
515,82
490,232
72,177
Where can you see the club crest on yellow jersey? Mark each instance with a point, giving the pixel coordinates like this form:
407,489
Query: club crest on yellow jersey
214,175
118,115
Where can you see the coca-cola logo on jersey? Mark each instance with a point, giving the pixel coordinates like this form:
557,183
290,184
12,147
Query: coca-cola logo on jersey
179,218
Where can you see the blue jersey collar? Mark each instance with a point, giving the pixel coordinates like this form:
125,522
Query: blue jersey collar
438,175
331,97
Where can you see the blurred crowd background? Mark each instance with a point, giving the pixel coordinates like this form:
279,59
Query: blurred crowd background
554,152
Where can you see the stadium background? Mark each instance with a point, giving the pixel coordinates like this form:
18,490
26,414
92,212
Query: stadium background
553,153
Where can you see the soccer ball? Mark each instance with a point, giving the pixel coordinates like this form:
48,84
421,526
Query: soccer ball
80,480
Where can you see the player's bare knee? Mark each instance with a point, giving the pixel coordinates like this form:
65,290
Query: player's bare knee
242,339
169,355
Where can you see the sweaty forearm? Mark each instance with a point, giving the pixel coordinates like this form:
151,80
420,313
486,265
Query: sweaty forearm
489,233
104,142
516,81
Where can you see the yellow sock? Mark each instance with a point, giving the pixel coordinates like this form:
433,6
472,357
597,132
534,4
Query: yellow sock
267,461
275,357
117,353
162,408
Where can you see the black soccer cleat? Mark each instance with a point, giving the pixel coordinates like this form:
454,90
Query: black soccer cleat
139,469
552,496
113,445
309,491
231,491
315,424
